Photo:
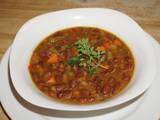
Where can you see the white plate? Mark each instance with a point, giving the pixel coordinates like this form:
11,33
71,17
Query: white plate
32,32
19,109
148,110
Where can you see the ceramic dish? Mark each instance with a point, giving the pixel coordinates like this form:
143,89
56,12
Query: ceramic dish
20,110
33,31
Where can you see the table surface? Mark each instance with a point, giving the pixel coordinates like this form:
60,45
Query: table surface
14,13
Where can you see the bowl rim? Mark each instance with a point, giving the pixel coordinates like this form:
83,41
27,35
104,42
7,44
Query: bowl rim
13,49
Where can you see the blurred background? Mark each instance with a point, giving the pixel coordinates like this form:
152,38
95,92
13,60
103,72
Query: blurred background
14,13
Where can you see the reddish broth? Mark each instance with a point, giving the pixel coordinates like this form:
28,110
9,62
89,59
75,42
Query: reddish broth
56,78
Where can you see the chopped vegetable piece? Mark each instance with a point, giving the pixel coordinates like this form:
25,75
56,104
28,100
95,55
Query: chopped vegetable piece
74,60
74,51
101,48
53,59
117,42
106,45
51,80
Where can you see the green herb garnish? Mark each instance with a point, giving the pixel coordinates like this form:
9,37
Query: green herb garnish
88,57
74,60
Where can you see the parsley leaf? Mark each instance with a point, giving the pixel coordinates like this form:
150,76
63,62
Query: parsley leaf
90,58
74,60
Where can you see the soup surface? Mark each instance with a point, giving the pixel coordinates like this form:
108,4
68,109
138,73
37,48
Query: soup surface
81,65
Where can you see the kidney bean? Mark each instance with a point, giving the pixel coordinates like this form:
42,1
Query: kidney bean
106,90
82,100
67,94
85,92
91,99
86,99
43,54
61,87
73,83
125,77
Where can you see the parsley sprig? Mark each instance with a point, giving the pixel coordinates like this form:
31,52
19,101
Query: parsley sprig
88,57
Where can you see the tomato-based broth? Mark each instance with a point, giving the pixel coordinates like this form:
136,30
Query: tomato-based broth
81,65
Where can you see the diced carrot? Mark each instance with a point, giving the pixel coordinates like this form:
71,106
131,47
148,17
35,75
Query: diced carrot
106,39
51,80
76,93
53,59
101,48
74,51
117,42
106,45
30,67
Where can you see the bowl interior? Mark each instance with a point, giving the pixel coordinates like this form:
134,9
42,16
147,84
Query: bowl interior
36,29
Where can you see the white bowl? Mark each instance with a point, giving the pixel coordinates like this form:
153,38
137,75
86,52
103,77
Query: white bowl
36,29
